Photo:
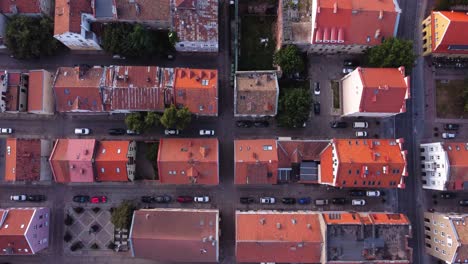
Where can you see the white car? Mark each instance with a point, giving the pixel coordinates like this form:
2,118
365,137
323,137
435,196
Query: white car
267,200
82,131
118,57
6,130
201,199
448,135
207,132
360,202
168,132
19,197
361,133
347,70
132,132
317,88
373,193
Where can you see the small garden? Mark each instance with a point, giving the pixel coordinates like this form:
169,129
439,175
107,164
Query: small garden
452,98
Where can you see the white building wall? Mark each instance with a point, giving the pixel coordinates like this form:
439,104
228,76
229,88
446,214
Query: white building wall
75,41
351,93
434,166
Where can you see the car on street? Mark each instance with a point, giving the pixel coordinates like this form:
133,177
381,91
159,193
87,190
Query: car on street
36,198
317,108
347,70
447,195
340,201
132,132
207,132
99,199
304,200
81,198
357,193
118,57
82,131
451,126
350,63
338,124
316,88
19,197
147,199
184,199
321,202
246,200
360,134
162,198
6,130
463,202
267,200
201,199
244,123
448,135
288,200
359,202
171,132
261,123
373,193
360,124
117,131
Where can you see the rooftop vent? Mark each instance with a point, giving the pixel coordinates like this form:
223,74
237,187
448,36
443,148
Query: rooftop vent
293,221
278,225
262,221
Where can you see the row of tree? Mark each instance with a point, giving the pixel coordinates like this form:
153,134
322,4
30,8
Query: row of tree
172,117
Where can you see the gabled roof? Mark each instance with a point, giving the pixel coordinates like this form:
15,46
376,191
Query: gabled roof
340,21
457,153
188,160
13,230
201,15
144,10
22,159
68,15
21,7
452,37
296,151
175,235
72,160
36,90
111,160
257,93
256,161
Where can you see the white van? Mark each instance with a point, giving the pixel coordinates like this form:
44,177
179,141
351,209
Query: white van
361,133
360,125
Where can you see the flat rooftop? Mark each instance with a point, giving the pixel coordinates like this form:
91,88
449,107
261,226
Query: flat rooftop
297,21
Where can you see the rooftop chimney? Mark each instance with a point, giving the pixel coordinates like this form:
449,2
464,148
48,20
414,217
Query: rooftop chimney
335,8
278,225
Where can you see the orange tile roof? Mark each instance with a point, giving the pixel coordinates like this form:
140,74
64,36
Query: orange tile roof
268,236
385,90
13,230
21,6
23,159
198,90
344,27
72,160
454,34
188,160
68,15
36,90
111,160
256,161
144,10
373,163
457,153
295,151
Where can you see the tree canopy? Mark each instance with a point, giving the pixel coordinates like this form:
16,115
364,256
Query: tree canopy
141,121
392,53
289,59
30,37
176,118
121,217
294,107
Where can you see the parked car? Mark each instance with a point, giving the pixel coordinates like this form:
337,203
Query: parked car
36,198
451,126
338,124
261,123
132,132
339,201
81,198
321,202
244,123
170,132
18,197
361,134
288,200
357,193
316,88
360,202
267,200
463,202
350,63
448,135
201,199
162,198
246,200
117,131
82,131
447,195
118,57
147,199
304,200
373,193
347,70
317,108
207,132
184,199
99,199
6,130
360,124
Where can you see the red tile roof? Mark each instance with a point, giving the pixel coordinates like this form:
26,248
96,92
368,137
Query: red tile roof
13,230
23,159
21,6
198,90
340,22
72,160
68,15
457,153
12,93
36,90
364,163
256,161
144,10
111,160
78,92
454,34
175,235
296,151
201,15
278,237
188,160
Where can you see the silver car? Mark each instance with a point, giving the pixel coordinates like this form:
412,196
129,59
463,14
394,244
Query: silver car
82,131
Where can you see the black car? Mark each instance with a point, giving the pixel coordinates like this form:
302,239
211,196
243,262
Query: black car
146,199
357,193
163,199
317,108
451,126
338,201
246,200
338,124
117,131
81,198
261,124
244,123
350,63
36,198
447,195
288,200
463,202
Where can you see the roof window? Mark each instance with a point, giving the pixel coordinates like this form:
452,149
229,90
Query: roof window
267,147
204,82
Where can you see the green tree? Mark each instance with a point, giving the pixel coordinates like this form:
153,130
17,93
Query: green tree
294,107
184,117
134,121
289,59
30,37
392,53
176,118
121,217
151,119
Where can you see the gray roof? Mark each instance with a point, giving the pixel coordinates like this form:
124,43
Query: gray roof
103,8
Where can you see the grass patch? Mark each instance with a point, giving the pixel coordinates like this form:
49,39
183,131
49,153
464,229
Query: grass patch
335,85
450,99
253,54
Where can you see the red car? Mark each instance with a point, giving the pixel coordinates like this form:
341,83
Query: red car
185,199
98,199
